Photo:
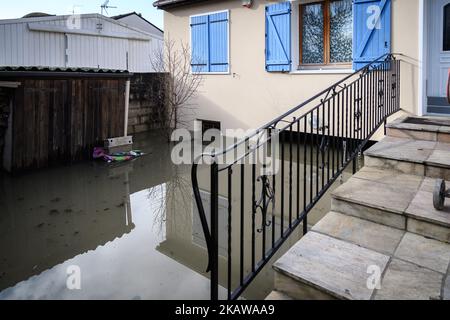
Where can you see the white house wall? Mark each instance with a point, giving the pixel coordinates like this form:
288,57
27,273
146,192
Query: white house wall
24,47
248,96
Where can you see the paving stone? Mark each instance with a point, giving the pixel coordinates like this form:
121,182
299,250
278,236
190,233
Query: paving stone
416,151
394,220
439,158
361,232
390,177
299,290
432,254
444,137
443,146
395,165
445,129
406,281
333,266
446,289
437,172
429,183
428,229
422,208
400,124
412,134
277,295
388,197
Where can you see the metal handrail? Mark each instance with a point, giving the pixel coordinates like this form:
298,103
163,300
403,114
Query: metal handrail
361,122
291,111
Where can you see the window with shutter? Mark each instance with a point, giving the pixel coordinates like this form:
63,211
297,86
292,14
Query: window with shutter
325,33
372,31
210,43
278,37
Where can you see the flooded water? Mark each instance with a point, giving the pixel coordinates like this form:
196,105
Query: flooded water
132,230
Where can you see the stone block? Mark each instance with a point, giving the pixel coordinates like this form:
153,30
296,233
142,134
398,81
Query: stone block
299,290
412,134
372,214
389,164
422,208
386,197
428,229
385,176
437,172
416,151
428,253
406,281
332,266
278,295
443,137
439,158
364,233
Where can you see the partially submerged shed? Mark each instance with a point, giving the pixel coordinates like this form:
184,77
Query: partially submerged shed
57,115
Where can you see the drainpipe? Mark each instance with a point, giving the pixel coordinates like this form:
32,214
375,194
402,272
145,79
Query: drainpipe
127,105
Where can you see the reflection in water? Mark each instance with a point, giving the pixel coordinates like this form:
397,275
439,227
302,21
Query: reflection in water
133,230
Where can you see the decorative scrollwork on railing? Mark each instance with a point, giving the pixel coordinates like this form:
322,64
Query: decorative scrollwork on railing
267,197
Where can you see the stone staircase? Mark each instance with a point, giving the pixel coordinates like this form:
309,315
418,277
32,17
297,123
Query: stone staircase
382,226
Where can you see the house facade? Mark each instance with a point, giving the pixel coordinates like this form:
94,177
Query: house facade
261,58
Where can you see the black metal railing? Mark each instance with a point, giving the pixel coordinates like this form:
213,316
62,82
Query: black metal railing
319,138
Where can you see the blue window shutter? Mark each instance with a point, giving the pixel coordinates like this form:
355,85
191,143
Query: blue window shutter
278,37
369,43
200,43
218,42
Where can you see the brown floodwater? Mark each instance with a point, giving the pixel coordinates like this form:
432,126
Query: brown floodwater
131,229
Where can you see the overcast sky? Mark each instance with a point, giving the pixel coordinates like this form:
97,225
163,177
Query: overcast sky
11,9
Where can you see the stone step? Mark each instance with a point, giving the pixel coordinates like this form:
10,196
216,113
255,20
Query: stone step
278,295
341,255
393,199
423,218
364,233
416,157
420,128
321,267
377,195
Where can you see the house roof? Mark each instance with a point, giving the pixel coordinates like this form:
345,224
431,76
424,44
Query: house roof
66,17
121,16
167,4
37,15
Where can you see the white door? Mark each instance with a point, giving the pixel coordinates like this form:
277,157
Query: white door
438,55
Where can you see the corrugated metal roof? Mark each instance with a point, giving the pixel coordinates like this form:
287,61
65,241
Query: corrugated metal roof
121,16
57,69
12,71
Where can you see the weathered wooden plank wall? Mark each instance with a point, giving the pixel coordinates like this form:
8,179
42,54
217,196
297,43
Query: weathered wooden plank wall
60,121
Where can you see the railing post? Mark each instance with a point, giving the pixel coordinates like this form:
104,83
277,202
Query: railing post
214,230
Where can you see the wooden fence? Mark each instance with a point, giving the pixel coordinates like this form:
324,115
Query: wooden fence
61,120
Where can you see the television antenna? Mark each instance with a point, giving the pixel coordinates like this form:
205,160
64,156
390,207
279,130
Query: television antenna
105,6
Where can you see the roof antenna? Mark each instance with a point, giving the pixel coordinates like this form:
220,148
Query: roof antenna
105,6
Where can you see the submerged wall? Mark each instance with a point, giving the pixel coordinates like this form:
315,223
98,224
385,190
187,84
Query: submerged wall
146,102
5,108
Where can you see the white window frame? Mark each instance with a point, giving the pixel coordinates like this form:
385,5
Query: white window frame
228,72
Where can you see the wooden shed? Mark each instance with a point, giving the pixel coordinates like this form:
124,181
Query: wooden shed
59,115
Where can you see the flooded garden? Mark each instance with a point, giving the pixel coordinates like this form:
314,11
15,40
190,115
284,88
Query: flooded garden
131,229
